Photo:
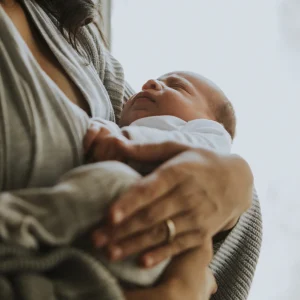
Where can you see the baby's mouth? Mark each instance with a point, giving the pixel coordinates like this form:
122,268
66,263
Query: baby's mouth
144,96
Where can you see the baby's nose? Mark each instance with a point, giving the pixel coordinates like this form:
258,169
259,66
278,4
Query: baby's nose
152,84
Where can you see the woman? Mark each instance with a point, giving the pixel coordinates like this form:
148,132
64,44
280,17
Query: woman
50,82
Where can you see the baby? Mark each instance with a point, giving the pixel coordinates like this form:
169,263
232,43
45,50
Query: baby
182,107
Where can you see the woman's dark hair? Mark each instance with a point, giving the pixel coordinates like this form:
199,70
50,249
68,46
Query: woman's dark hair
72,15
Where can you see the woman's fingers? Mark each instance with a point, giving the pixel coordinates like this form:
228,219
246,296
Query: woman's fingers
180,244
145,192
178,202
150,238
153,237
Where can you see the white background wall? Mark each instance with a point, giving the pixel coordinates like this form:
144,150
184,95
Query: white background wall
251,49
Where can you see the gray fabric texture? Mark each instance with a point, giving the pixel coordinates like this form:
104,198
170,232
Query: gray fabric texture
41,134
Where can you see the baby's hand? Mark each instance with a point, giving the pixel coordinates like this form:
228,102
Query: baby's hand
95,129
101,145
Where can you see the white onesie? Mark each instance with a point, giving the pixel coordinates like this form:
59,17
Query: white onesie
201,133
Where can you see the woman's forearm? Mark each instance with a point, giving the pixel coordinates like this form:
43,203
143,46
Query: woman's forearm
160,292
186,277
241,188
186,269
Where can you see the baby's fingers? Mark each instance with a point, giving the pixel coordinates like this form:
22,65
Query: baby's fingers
90,136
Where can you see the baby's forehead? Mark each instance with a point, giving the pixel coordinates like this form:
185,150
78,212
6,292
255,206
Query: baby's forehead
200,83
178,74
197,80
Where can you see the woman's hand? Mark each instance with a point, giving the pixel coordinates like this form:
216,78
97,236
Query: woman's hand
187,277
203,193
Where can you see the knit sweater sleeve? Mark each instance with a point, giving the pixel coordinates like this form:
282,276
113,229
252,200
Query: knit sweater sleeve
109,69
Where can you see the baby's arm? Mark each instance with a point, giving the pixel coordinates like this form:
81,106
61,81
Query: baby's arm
197,133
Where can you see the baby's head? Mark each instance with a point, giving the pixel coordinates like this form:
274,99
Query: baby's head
185,95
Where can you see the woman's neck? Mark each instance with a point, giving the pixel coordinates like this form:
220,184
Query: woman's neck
8,2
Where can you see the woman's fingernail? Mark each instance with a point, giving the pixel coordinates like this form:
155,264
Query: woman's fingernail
149,261
117,216
100,240
115,252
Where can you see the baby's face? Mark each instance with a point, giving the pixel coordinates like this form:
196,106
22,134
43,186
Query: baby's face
180,94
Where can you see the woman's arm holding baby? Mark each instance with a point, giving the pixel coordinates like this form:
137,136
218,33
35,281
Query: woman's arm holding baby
202,192
187,277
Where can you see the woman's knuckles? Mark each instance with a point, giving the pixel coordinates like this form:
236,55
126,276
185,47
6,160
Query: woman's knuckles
145,189
148,217
179,246
152,237
171,174
158,233
133,200
190,201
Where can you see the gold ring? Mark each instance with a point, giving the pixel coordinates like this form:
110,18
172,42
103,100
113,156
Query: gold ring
171,231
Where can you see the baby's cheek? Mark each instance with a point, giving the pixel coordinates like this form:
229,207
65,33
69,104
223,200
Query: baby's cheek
174,106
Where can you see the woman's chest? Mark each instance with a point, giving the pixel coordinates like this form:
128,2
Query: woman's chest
38,143
41,131
45,58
